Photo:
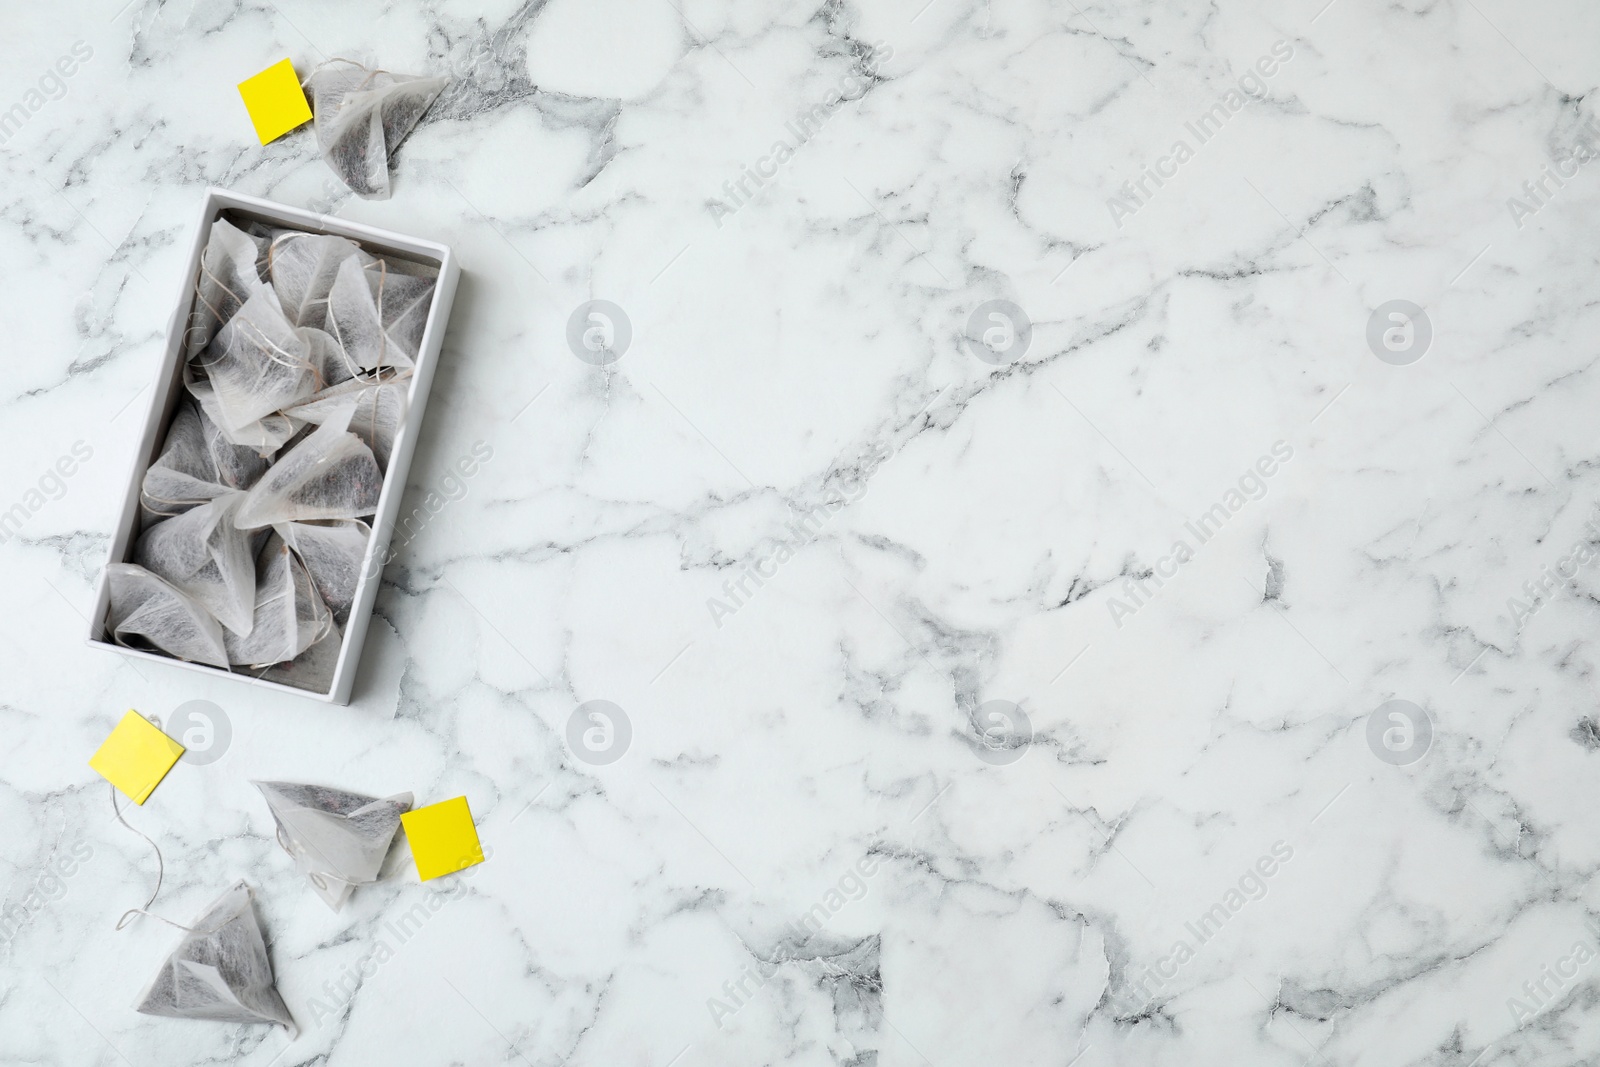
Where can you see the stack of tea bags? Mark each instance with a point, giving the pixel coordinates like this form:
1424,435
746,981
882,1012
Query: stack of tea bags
256,514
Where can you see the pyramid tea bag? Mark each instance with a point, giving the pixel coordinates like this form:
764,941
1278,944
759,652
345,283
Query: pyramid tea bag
196,464
289,615
403,292
228,278
220,970
356,323
331,474
202,553
332,552
144,606
257,364
264,436
362,116
375,411
338,839
302,267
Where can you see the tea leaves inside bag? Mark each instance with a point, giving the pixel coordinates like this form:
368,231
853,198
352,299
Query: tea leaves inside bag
148,611
332,552
289,615
331,474
338,839
220,970
257,364
197,463
204,554
362,116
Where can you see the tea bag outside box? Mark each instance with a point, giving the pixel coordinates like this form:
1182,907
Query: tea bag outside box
338,839
220,970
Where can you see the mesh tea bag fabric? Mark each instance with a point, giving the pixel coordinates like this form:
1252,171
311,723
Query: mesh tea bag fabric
362,116
289,615
220,970
313,669
196,464
257,364
403,292
332,553
375,411
338,839
329,365
152,611
302,267
228,278
331,474
356,323
204,554
264,436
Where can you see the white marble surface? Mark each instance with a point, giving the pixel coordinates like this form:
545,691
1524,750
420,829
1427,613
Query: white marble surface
801,345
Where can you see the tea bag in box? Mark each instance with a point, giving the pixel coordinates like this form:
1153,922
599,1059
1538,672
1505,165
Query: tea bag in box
332,552
257,364
205,555
146,607
220,970
403,292
289,614
196,464
356,323
313,669
302,267
330,474
264,436
228,278
375,411
338,839
329,365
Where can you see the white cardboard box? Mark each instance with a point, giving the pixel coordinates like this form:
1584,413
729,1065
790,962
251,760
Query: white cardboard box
169,387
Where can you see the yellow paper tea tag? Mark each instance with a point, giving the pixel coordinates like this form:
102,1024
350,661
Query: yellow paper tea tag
275,101
443,838
136,757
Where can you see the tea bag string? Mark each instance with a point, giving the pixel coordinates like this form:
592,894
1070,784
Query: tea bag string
150,499
372,72
269,348
161,873
342,59
200,295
